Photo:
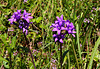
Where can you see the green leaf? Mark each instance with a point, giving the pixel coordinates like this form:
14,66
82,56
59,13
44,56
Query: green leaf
97,43
13,42
65,58
3,59
33,20
2,28
38,19
98,66
97,56
1,5
6,65
42,26
64,54
77,30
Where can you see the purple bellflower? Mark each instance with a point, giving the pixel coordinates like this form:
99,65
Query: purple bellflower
61,25
23,20
70,27
26,16
15,17
59,37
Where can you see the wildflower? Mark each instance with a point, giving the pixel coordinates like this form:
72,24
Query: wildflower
51,54
60,20
58,25
61,27
23,20
94,8
86,20
15,17
70,28
25,0
59,37
61,47
26,16
34,50
80,45
15,53
91,10
53,61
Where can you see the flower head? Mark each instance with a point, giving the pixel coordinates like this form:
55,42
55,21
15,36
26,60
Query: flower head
15,17
23,20
60,20
59,38
61,25
70,28
26,16
86,20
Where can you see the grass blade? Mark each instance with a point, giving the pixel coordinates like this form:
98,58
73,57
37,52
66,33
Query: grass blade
77,29
93,53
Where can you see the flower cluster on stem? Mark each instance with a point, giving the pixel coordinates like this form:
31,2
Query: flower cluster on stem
23,20
62,27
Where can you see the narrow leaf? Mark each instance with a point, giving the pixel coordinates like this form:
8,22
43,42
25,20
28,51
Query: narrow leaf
13,42
97,43
64,54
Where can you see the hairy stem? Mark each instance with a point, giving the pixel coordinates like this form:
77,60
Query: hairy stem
29,50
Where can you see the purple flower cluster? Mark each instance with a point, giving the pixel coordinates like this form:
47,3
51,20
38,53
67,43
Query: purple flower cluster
22,19
86,20
94,8
61,27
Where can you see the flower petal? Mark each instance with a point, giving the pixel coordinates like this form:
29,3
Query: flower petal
30,17
59,31
63,28
60,23
58,18
61,17
27,20
73,31
61,40
23,30
69,31
54,35
73,35
56,21
56,39
54,29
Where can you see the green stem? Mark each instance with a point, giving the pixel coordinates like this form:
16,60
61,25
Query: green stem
77,29
10,61
74,10
61,54
68,57
29,50
75,56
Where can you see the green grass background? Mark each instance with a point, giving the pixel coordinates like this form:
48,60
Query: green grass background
44,13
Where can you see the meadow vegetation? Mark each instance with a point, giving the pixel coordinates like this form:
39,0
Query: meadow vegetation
33,45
